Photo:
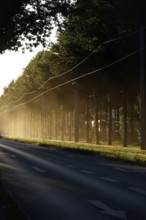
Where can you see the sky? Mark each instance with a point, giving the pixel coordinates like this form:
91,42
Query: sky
12,64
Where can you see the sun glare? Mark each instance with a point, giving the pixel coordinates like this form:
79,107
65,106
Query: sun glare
12,63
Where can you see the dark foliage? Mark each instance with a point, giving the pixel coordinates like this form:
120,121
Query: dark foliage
32,20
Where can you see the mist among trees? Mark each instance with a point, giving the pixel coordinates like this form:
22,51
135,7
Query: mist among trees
86,87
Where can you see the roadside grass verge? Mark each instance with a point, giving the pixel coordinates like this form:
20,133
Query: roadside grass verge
128,154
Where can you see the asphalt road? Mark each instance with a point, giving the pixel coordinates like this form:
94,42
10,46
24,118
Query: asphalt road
52,184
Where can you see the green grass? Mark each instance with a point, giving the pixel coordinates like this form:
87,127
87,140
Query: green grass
129,154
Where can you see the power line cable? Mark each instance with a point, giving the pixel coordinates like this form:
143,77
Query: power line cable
122,37
77,78
54,77
64,73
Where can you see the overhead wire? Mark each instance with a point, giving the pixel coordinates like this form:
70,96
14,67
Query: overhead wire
122,37
82,61
53,77
77,78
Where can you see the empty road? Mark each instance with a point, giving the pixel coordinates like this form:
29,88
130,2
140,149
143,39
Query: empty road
52,184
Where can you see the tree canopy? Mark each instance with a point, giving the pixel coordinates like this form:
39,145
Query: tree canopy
84,31
34,19
31,20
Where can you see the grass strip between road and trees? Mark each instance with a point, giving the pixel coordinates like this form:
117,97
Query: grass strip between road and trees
129,154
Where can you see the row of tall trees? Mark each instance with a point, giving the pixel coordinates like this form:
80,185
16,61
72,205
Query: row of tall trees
27,23
99,106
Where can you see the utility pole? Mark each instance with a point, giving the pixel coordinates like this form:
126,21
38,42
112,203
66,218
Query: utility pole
142,92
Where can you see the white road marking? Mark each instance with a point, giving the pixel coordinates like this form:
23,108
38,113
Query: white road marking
120,169
38,169
109,179
138,190
86,172
109,211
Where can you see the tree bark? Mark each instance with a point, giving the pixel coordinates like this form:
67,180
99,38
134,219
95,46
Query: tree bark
76,109
96,120
109,122
87,121
125,119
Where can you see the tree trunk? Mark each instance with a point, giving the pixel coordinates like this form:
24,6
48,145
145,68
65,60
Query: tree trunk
56,124
125,120
50,124
96,120
42,116
76,109
87,122
109,122
70,126
62,122
142,92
